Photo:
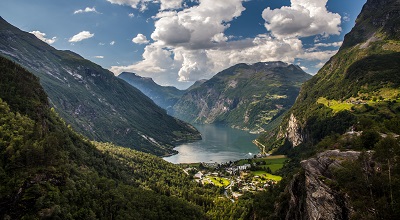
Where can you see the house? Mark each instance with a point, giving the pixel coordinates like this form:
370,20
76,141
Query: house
198,175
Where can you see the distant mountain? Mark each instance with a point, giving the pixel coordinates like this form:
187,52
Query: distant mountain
91,99
243,96
163,96
49,171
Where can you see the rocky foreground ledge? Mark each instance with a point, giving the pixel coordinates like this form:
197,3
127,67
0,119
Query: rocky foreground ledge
310,194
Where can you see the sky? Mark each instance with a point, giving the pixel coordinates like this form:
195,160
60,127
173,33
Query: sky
177,42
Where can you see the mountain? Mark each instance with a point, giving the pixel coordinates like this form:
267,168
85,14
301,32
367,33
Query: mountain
358,87
243,96
92,100
49,171
163,96
342,133
196,84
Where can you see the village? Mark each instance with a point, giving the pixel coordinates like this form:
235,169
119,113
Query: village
238,177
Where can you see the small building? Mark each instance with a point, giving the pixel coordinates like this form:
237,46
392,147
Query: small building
198,175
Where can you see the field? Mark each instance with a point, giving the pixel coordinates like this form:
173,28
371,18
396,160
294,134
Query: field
217,181
273,162
262,173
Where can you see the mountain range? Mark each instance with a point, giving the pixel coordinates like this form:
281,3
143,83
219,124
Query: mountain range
92,100
245,96
163,96
341,135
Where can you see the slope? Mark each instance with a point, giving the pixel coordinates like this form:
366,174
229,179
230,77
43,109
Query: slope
49,171
91,99
243,96
343,129
358,87
163,96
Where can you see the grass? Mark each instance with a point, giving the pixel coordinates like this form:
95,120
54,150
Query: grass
262,173
372,99
273,162
336,106
217,181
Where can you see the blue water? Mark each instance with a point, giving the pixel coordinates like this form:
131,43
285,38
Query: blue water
219,144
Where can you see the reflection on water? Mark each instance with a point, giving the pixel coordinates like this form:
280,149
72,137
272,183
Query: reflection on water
219,144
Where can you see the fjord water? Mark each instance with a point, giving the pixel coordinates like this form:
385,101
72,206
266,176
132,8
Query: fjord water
219,144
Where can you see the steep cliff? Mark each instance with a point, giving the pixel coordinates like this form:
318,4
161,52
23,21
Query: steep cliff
243,96
311,196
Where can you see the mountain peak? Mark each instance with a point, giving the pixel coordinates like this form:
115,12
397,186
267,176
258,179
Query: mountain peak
378,20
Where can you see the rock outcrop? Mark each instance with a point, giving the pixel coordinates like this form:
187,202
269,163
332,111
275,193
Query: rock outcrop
311,196
294,131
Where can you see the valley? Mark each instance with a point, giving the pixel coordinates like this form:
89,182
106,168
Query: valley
219,144
258,139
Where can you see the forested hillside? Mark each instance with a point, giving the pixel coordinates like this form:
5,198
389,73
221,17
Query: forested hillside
342,133
48,170
92,100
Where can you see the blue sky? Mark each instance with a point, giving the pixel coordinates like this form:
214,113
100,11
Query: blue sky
177,42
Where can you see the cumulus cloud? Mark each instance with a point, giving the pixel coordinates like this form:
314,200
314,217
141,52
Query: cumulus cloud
83,35
170,4
302,19
131,15
86,10
112,43
191,44
140,39
155,60
42,36
99,57
196,27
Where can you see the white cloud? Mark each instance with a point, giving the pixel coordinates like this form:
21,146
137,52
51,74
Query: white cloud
170,4
304,68
155,60
81,36
142,4
131,15
302,19
318,55
42,36
140,39
190,43
99,57
333,44
86,10
195,27
319,65
346,17
132,3
112,43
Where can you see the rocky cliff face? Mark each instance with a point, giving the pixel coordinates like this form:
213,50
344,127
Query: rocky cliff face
293,131
244,96
311,196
